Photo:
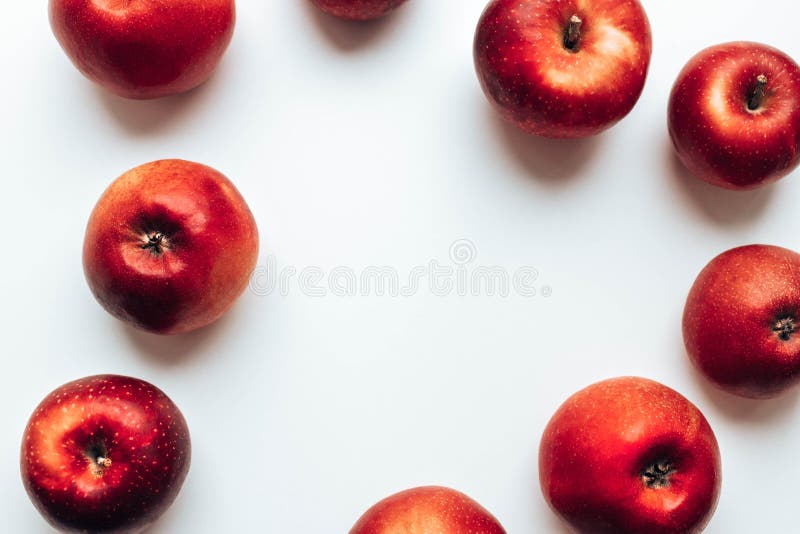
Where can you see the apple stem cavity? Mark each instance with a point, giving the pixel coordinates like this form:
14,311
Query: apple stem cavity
572,35
657,475
757,98
155,242
784,328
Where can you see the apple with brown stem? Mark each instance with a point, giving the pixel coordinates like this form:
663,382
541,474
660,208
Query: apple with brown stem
563,68
105,453
734,115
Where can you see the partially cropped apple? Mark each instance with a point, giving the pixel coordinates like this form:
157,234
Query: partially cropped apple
630,456
170,246
105,454
357,9
734,115
741,323
141,48
427,510
563,68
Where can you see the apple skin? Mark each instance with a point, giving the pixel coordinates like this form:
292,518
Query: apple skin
144,49
426,510
715,134
607,441
536,82
127,421
357,9
741,319
170,246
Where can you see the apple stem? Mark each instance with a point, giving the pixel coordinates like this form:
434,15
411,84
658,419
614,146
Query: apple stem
572,36
104,462
757,98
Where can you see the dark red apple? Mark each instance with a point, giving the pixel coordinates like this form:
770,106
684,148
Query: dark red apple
563,68
144,48
105,454
630,456
741,321
427,510
170,246
734,115
357,9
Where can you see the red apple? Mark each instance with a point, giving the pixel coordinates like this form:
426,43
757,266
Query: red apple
734,115
629,456
741,321
170,246
144,48
105,454
357,9
427,510
563,68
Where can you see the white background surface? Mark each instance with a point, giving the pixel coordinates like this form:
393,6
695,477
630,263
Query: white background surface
373,145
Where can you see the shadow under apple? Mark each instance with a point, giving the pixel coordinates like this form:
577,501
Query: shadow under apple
350,36
718,205
177,350
148,117
554,525
552,161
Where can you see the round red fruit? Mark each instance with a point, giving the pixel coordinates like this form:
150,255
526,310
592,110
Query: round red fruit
105,454
741,321
563,68
426,510
734,115
170,246
630,456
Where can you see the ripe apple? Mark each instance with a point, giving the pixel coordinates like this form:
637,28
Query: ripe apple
741,321
734,115
427,510
563,68
170,246
357,9
105,454
144,49
629,455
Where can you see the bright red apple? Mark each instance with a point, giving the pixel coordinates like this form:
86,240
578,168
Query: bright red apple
357,9
105,454
170,246
734,115
563,68
741,321
427,510
144,48
630,456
